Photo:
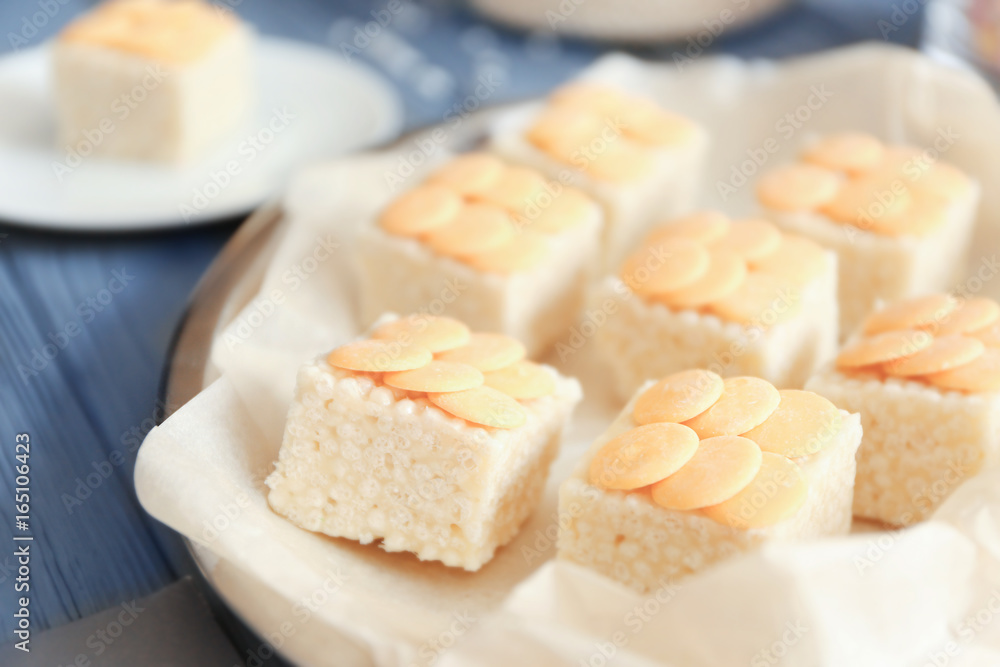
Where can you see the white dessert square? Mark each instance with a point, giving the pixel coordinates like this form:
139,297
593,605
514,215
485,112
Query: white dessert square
776,318
627,535
151,79
366,460
927,386
900,221
498,247
641,162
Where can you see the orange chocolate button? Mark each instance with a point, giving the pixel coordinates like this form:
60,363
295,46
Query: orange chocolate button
563,131
566,210
776,493
522,380
762,300
435,333
437,376
665,266
523,252
649,124
477,228
989,335
469,174
486,351
703,227
797,260
970,315
925,214
745,403
860,202
980,375
379,356
798,187
621,161
678,397
944,353
726,272
883,347
721,468
846,151
943,180
751,239
923,312
420,210
515,189
803,424
642,455
482,405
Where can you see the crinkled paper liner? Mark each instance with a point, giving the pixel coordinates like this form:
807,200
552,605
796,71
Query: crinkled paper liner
926,595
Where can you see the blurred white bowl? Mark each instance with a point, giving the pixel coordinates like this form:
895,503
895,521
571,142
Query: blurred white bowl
630,20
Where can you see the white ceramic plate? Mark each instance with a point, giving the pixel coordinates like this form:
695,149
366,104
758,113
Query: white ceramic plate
320,104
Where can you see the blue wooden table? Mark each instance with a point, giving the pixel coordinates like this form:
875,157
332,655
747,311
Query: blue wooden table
85,321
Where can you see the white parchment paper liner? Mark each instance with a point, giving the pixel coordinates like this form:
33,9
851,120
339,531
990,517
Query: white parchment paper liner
903,598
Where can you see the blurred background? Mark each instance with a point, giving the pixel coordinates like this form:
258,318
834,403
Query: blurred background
88,405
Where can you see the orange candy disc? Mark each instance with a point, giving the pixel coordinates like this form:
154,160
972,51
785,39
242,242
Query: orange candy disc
798,187
981,375
436,376
970,315
642,455
751,239
726,271
703,227
482,405
469,174
477,228
421,210
522,380
379,356
486,351
667,265
846,151
944,353
883,347
923,312
745,403
433,332
762,299
776,493
803,424
678,397
721,468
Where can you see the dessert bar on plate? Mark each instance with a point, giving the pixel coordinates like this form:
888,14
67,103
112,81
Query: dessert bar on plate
428,437
925,375
900,220
736,297
640,161
495,245
151,80
696,469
